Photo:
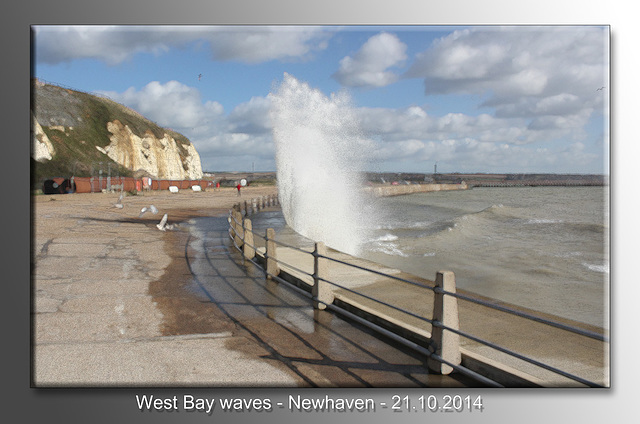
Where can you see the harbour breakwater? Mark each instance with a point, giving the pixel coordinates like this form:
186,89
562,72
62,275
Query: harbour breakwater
402,189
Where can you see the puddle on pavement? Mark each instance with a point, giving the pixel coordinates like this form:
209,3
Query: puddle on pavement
209,288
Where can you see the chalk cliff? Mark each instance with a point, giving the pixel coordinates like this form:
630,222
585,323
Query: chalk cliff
164,157
42,149
75,133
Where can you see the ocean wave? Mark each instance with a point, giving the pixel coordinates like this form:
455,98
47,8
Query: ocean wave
390,249
386,237
384,243
569,254
398,226
544,221
603,268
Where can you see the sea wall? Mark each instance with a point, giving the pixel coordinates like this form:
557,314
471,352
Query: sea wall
347,285
402,189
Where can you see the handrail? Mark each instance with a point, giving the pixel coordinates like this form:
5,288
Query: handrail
591,334
571,329
235,223
396,337
474,338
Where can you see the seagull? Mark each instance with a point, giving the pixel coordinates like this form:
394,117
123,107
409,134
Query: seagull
151,208
119,205
163,226
163,223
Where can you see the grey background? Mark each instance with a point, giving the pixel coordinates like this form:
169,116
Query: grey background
118,405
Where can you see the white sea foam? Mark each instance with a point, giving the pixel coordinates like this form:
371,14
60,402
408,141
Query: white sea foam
320,154
386,237
390,249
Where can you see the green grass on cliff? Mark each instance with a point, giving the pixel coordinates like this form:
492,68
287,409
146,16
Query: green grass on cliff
75,148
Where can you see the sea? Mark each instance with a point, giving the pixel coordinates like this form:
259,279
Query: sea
541,248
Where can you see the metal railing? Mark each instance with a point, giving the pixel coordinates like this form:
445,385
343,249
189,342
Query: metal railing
264,256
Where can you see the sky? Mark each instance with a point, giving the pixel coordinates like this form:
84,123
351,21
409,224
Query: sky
505,99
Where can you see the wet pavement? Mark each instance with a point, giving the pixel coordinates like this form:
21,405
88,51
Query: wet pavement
118,303
113,303
318,347
523,351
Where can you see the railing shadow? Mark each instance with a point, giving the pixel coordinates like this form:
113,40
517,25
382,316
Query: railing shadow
439,338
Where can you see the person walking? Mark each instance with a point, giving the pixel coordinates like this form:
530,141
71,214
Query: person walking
238,187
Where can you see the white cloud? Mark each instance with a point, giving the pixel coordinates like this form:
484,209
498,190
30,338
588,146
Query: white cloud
115,44
369,66
244,133
111,44
470,155
172,104
262,44
413,140
537,85
414,123
540,84
407,138
517,66
251,117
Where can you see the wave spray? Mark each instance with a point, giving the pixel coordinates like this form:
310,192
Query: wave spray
320,155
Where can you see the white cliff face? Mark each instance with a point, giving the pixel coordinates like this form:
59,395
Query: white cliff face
193,160
42,149
158,157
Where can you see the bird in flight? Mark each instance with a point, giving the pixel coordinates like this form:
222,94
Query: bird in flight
600,89
151,208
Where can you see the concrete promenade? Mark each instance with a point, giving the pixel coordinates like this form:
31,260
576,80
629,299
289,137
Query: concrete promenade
104,312
117,302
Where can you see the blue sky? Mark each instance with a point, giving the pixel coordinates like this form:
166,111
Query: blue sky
472,99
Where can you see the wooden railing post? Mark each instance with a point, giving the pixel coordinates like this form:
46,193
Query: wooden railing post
445,314
321,290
